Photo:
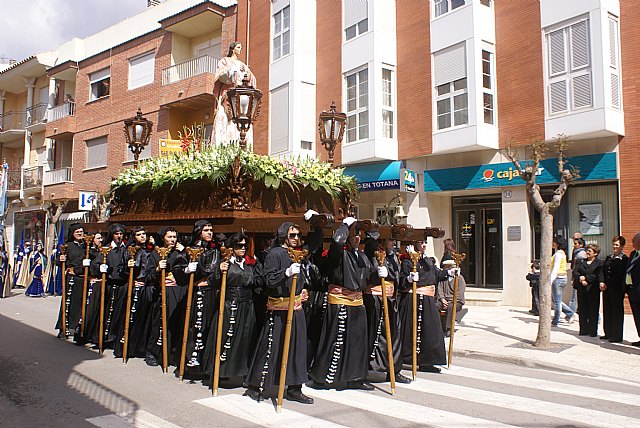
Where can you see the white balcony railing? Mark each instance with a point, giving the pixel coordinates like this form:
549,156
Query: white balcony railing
189,68
31,177
56,176
63,110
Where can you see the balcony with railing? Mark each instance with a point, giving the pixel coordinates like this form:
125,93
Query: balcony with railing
57,176
32,178
12,124
61,122
37,116
13,185
190,83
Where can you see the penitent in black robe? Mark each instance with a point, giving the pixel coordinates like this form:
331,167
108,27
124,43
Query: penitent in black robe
430,343
74,283
239,328
342,350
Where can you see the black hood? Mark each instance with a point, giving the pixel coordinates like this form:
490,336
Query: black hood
73,228
281,234
115,227
197,231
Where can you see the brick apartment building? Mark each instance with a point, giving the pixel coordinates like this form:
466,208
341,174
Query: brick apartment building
433,91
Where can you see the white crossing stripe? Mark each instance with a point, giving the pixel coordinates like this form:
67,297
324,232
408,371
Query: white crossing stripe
263,413
395,408
546,385
142,419
513,402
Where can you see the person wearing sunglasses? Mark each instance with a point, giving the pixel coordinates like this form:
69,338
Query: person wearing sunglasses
279,270
239,329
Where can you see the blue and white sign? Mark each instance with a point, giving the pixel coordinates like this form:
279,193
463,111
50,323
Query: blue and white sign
87,200
408,177
376,176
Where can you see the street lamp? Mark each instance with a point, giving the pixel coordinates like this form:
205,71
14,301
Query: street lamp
398,213
331,127
245,107
137,131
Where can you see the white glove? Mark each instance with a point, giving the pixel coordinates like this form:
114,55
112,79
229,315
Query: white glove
456,271
349,221
309,214
86,262
162,264
104,268
410,249
294,269
383,272
232,259
191,267
414,276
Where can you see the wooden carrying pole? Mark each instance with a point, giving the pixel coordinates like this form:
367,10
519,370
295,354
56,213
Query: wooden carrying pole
381,257
63,319
193,256
414,305
164,252
226,255
127,320
296,257
104,251
87,242
457,258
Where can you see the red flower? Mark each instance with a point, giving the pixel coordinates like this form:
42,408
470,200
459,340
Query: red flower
405,256
212,244
325,253
250,261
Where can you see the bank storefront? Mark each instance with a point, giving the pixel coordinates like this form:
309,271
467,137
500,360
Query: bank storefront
491,221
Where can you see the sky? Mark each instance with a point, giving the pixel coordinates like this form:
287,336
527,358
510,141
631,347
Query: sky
28,27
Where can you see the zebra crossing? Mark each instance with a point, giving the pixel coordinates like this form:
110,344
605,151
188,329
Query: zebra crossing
464,396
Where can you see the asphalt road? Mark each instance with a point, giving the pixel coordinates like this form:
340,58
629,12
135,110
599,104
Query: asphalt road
47,382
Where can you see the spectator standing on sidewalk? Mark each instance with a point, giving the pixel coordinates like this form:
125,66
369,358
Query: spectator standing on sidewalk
615,269
590,275
559,280
534,282
579,253
633,282
449,248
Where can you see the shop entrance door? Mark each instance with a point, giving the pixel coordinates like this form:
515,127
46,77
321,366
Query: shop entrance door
478,233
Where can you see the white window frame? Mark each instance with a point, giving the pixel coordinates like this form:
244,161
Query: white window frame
489,91
104,141
138,82
277,44
357,112
614,61
442,7
566,78
359,28
388,103
452,95
95,79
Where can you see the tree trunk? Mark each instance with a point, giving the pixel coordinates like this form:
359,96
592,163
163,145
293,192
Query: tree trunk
50,239
546,239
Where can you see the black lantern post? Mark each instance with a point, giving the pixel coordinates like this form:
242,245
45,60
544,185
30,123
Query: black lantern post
137,131
245,107
331,127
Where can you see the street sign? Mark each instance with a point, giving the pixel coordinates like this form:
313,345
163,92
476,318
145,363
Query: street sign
87,200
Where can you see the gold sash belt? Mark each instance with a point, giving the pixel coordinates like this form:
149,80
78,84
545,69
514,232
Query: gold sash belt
342,296
282,303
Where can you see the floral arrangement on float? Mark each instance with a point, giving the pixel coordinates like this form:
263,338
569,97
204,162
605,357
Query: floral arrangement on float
268,183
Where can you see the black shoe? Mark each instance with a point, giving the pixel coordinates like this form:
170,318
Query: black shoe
252,393
151,361
429,369
360,385
400,378
615,340
605,337
317,385
297,395
635,344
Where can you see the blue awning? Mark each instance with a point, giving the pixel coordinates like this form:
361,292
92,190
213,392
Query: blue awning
376,176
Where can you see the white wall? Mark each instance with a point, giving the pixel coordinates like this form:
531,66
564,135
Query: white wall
516,255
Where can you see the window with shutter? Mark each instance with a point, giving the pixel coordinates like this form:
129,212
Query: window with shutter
440,7
355,18
279,120
141,70
96,153
99,82
570,86
450,79
614,68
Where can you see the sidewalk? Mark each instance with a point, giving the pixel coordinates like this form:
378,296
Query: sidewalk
506,333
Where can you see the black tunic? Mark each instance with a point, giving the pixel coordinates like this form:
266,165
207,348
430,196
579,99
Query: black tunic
430,339
204,303
342,350
615,269
264,371
74,283
589,295
239,329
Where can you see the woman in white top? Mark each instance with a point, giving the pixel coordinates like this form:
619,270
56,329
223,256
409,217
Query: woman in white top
559,280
